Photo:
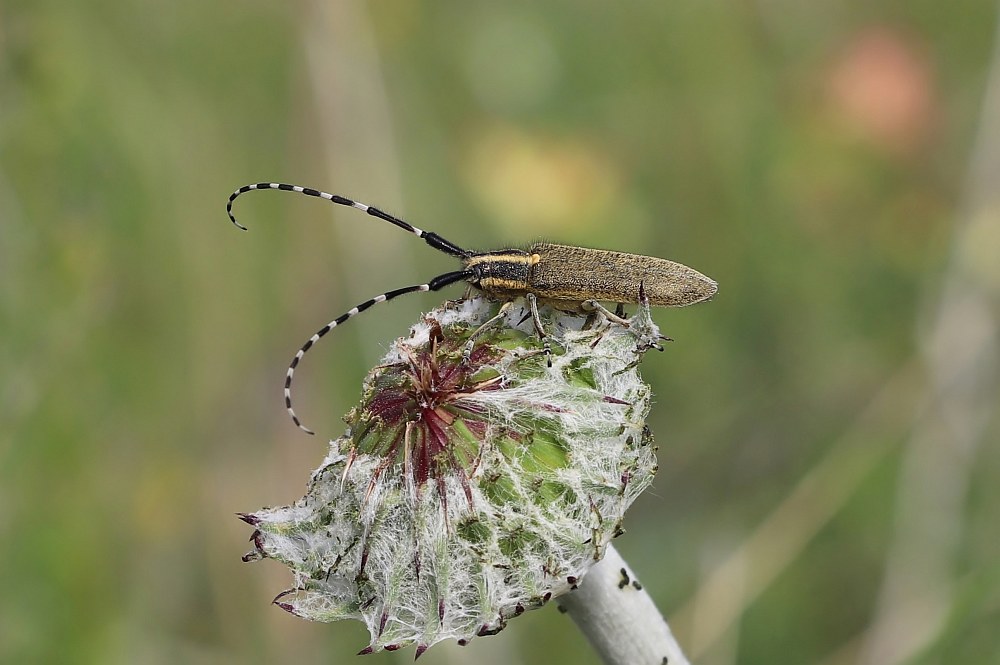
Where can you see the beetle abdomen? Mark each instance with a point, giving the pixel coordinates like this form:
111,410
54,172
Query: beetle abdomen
564,272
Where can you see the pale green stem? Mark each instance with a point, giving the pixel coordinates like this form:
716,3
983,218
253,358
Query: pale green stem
619,618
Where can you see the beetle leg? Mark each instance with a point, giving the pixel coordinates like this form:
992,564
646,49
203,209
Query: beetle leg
467,353
533,305
594,306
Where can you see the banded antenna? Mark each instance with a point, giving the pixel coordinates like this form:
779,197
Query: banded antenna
431,238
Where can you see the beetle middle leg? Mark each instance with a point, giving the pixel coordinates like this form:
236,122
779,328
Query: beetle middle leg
539,328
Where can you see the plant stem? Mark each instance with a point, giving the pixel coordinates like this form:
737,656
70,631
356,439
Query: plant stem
619,618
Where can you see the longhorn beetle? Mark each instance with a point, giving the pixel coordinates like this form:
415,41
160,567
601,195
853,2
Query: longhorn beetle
570,278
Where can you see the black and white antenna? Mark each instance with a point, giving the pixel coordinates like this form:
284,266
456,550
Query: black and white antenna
431,238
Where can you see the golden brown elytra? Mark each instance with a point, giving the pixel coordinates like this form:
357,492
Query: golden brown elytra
566,276
578,274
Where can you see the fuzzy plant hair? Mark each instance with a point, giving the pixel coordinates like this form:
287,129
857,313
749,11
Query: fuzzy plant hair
470,487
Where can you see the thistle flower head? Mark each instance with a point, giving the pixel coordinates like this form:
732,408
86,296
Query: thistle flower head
469,487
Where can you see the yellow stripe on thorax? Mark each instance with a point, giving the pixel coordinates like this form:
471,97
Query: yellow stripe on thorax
502,258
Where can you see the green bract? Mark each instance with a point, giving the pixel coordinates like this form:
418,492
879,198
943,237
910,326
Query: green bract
469,489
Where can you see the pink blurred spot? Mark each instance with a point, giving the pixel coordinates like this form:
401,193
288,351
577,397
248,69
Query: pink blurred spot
881,83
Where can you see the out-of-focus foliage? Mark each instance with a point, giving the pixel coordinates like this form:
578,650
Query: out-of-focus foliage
810,157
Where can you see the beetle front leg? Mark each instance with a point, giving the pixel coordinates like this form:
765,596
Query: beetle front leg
471,343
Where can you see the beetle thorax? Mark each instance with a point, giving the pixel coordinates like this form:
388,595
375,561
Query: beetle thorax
503,273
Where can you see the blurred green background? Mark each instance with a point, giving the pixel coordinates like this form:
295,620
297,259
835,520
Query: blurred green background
829,480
